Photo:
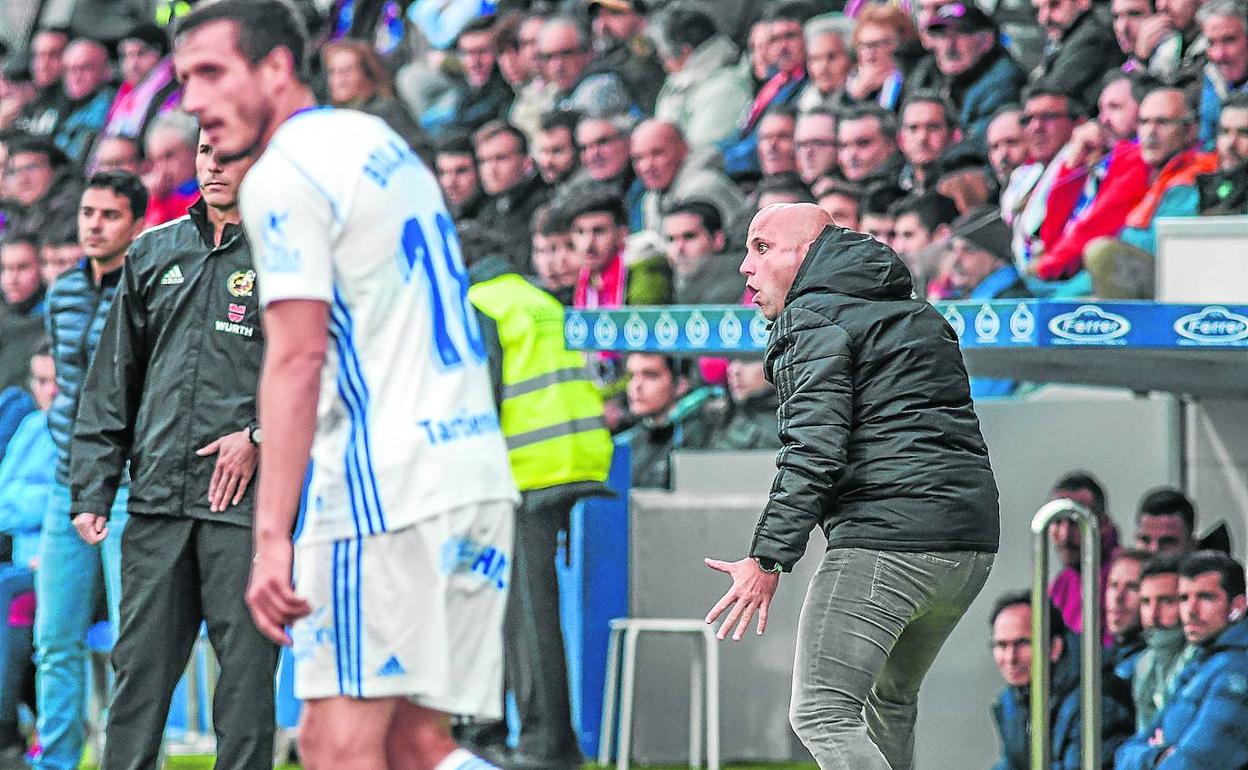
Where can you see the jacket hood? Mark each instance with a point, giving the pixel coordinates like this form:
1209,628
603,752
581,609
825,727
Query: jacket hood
1235,637
845,262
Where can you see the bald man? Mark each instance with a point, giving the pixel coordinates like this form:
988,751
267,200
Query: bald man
671,173
881,448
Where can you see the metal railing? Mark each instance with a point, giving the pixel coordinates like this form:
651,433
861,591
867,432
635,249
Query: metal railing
1041,643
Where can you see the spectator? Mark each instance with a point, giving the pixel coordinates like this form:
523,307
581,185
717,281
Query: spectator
929,126
1169,42
1224,25
867,151
515,190
814,144
358,79
17,90
758,61
1048,119
874,217
27,477
534,94
1101,179
623,48
839,199
776,154
555,260
671,173
827,62
1122,610
554,147
968,65
1128,15
1166,523
786,57
920,230
118,153
752,404
702,274
88,95
599,233
1081,48
148,87
604,145
483,95
43,114
669,417
1225,191
781,188
1007,149
1122,267
962,174
456,167
704,94
1012,648
58,254
68,584
24,307
1202,723
1162,658
43,186
1082,488
170,176
881,30
564,57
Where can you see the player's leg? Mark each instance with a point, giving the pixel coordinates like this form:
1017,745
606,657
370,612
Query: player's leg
420,739
343,733
67,585
160,617
242,706
892,706
849,623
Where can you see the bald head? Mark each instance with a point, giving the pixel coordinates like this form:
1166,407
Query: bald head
86,68
779,238
657,149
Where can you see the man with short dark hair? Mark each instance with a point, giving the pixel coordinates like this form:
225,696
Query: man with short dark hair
866,137
514,187
1122,609
22,308
668,413
186,307
1012,650
814,144
702,274
1080,487
750,423
1081,48
482,95
456,166
1006,148
920,224
555,261
1202,723
554,147
42,115
600,233
928,127
1225,191
43,185
68,587
968,65
775,141
1162,658
1166,523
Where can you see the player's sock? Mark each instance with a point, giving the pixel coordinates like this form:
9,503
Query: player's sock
463,759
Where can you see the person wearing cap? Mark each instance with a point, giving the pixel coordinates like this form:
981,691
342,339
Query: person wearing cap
963,174
1082,46
43,187
148,87
968,65
623,47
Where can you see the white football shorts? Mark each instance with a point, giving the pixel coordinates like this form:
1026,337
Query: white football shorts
414,613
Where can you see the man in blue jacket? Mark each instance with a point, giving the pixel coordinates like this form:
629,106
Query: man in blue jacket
1204,723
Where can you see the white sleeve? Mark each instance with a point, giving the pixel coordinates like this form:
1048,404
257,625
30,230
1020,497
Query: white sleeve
291,222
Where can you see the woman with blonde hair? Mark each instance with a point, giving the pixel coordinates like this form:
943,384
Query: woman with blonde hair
880,31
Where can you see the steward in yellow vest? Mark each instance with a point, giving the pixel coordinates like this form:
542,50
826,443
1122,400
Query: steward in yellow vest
560,451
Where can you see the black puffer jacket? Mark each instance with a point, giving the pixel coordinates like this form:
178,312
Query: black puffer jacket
881,446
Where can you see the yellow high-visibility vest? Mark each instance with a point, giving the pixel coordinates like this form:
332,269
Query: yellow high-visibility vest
551,412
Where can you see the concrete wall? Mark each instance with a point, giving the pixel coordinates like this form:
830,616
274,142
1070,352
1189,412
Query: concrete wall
1130,443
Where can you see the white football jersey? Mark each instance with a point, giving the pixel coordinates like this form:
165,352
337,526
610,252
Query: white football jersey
338,209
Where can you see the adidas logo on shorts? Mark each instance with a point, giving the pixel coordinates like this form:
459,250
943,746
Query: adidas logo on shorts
392,667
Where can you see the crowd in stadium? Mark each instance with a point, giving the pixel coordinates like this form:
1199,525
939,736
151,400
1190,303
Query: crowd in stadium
614,152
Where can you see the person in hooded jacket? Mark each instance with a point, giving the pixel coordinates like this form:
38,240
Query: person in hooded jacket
882,449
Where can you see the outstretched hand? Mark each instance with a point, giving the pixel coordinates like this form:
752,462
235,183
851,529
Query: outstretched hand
751,592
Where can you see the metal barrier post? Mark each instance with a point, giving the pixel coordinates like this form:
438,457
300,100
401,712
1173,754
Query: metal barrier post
1041,644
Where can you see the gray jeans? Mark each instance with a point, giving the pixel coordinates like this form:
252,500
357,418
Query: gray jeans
872,624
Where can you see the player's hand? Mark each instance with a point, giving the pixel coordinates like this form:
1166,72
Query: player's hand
751,592
236,465
270,595
92,528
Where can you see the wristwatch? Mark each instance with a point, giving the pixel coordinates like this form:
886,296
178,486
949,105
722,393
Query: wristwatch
769,565
253,434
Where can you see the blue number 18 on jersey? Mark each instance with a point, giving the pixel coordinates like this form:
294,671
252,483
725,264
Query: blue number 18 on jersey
416,252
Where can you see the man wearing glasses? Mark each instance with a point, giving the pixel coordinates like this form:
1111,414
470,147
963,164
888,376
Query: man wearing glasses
563,57
42,190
